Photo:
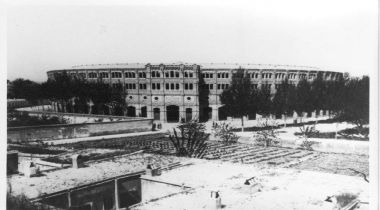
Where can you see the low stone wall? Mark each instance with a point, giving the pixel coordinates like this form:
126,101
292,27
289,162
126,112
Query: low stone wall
55,132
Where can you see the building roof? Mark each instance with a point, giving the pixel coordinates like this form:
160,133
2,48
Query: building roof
255,66
203,66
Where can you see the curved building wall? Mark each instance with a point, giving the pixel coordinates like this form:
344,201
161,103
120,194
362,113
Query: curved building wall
170,92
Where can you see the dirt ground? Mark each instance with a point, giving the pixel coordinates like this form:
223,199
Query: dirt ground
337,164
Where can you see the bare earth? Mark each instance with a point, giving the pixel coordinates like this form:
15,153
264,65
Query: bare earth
337,164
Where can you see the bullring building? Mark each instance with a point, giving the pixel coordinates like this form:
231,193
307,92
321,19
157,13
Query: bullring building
171,92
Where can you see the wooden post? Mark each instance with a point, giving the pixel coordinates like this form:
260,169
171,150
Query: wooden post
69,199
116,195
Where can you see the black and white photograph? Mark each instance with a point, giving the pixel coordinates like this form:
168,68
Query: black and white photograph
190,105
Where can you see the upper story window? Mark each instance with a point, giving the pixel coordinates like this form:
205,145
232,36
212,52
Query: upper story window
223,75
142,75
156,86
207,75
156,74
172,86
208,86
130,86
188,74
130,75
92,75
116,74
103,75
142,86
188,86
82,75
222,86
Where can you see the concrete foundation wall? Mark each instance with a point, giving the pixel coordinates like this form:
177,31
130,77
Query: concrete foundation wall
55,132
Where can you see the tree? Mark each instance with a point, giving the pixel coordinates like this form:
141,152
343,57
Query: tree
268,135
303,102
356,103
225,132
283,99
189,139
238,98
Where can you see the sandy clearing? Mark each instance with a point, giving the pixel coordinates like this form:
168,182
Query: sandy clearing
273,189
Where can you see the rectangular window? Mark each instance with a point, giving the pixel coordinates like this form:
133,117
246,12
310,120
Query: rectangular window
226,75
191,75
171,73
153,86
167,74
218,86
218,75
186,86
211,86
191,86
177,86
172,86
176,74
186,74
158,86
167,86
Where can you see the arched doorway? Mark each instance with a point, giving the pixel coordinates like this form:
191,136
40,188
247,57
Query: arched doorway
131,111
156,114
143,111
189,114
222,113
172,113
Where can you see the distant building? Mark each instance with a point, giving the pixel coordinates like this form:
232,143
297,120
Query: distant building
171,92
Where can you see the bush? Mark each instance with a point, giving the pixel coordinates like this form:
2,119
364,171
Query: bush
189,139
224,132
307,132
267,137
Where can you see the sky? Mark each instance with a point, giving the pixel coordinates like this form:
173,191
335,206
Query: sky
336,35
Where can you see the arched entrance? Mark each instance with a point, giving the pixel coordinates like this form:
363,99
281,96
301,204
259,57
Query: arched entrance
189,114
222,113
172,113
131,111
156,114
143,111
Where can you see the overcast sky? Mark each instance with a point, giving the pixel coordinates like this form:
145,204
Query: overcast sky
338,35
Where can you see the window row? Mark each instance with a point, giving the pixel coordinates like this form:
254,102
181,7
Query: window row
156,74
142,86
279,76
156,86
171,74
207,75
222,75
223,86
267,75
253,75
116,75
172,86
188,74
130,86
130,75
208,86
189,86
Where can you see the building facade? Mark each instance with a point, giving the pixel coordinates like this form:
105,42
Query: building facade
171,92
